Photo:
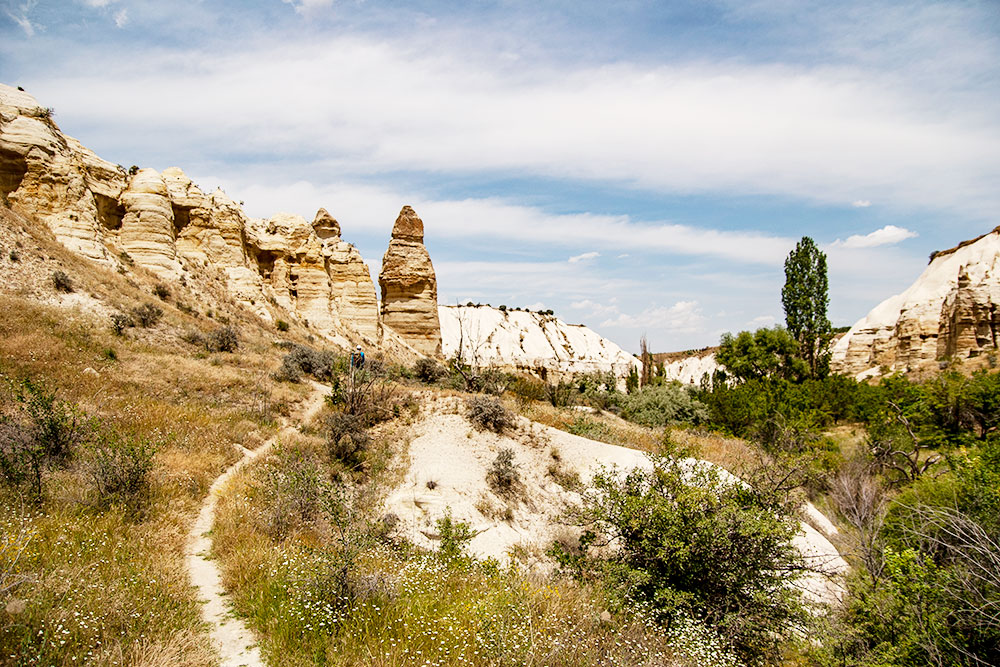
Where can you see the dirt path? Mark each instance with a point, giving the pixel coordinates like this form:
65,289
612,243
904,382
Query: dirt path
231,637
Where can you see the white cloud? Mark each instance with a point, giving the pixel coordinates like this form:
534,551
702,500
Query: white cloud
97,4
622,256
538,305
817,133
888,235
861,203
762,321
369,207
584,257
682,317
595,309
307,6
121,18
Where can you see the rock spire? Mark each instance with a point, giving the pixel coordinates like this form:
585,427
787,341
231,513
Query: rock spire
409,286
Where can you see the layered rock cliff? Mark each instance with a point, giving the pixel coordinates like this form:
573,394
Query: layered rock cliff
280,267
950,312
409,286
527,341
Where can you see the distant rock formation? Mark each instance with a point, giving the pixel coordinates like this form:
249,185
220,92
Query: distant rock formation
688,367
167,225
409,286
527,341
950,312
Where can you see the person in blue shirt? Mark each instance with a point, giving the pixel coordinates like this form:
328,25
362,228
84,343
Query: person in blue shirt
357,359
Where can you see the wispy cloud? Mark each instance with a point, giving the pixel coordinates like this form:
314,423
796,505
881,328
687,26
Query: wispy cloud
888,235
121,18
584,257
20,14
822,134
308,6
682,317
861,203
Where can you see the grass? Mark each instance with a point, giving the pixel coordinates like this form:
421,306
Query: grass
105,584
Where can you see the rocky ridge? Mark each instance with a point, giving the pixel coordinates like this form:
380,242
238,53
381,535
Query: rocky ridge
527,341
949,313
279,267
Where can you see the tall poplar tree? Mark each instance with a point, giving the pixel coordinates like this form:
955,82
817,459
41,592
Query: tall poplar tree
805,299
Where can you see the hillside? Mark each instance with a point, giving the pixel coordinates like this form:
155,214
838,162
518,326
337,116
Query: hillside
948,313
527,341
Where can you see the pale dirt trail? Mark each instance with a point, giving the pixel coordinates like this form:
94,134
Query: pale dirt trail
233,640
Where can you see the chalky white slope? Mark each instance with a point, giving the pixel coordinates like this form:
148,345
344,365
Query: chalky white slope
483,335
949,312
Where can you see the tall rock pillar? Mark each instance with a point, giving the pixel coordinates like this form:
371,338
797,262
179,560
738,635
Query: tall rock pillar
409,287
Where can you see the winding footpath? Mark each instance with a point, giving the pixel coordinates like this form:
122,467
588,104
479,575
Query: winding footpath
235,642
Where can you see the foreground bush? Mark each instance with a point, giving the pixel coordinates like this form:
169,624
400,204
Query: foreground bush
119,468
686,542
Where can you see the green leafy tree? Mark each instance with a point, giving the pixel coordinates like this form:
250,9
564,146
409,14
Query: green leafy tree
805,299
765,353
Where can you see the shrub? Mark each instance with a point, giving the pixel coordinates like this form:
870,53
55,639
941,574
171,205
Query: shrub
61,281
504,475
455,537
428,370
223,339
120,322
45,435
119,468
488,413
321,364
296,486
162,291
14,256
282,325
347,439
147,315
193,337
662,405
689,543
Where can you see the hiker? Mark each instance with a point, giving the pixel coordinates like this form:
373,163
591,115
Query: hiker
357,359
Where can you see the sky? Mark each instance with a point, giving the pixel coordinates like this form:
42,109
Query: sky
640,167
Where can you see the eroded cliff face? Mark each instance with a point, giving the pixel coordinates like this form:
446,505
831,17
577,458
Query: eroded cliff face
532,342
166,224
950,312
409,286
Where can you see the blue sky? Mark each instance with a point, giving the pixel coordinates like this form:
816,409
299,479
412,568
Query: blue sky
640,167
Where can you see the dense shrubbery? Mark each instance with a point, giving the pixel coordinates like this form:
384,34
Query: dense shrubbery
428,370
686,542
302,360
662,405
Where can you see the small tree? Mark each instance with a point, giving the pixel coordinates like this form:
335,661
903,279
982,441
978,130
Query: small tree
805,299
765,353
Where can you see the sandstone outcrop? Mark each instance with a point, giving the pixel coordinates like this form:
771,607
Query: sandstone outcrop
950,312
166,224
409,286
688,367
528,341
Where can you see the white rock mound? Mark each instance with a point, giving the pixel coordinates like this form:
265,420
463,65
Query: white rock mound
528,341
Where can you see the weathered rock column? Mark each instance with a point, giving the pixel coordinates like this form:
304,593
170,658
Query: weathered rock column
409,286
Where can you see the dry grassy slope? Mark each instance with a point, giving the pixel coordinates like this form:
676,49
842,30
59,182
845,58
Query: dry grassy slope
109,584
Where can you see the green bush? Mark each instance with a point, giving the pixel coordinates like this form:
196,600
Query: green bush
455,537
489,413
662,405
44,434
687,542
119,467
120,322
282,325
504,474
428,370
161,291
347,438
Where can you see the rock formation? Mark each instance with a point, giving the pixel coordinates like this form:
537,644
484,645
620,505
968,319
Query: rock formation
409,287
688,367
527,341
950,312
166,224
